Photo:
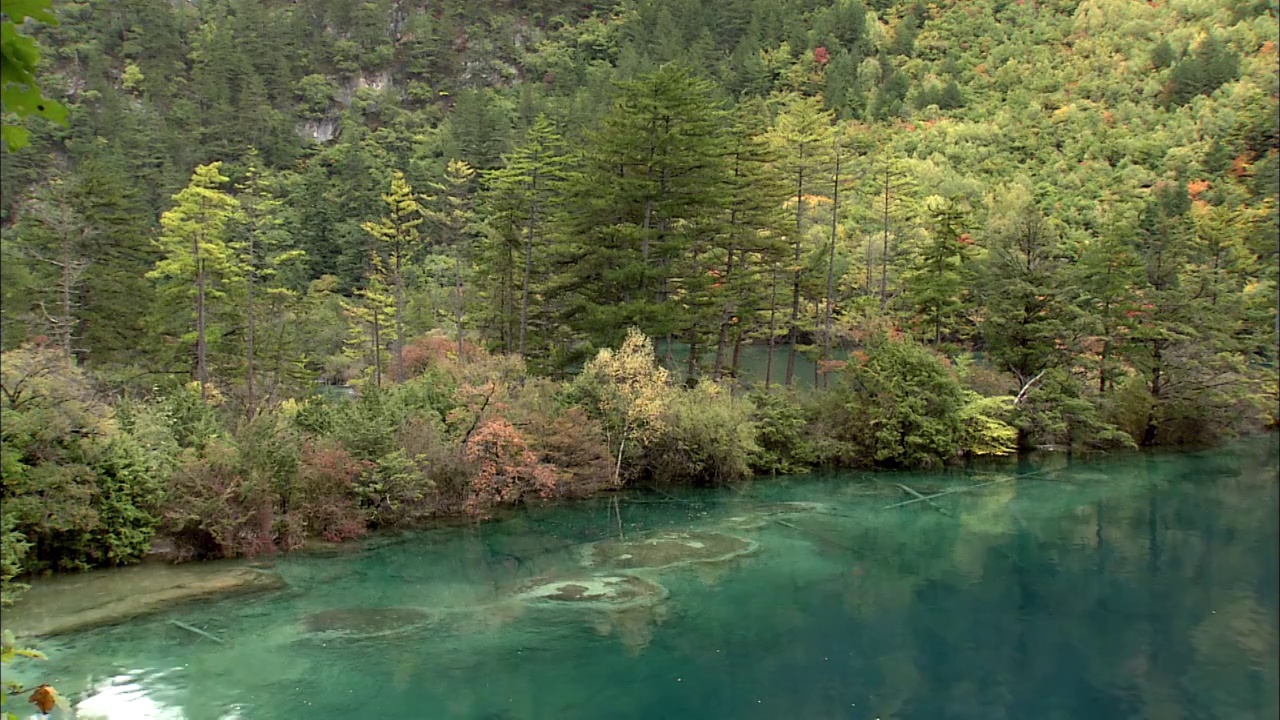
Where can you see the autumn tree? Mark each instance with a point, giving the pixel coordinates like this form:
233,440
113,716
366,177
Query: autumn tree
628,390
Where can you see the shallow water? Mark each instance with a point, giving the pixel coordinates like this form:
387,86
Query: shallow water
1137,587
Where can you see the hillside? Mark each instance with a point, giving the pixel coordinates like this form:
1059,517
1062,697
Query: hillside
988,226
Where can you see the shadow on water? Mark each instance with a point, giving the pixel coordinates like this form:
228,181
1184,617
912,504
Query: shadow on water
1134,586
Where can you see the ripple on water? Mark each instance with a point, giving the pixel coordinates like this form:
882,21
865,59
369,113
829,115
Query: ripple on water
364,622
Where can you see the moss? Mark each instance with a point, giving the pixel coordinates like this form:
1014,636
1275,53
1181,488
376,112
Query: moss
666,549
601,591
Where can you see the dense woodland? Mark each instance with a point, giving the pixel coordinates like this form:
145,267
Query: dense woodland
992,226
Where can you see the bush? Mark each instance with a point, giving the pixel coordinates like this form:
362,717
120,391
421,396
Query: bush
506,470
397,489
899,407
574,443
217,509
80,488
706,436
984,426
13,548
324,501
1055,412
130,480
785,438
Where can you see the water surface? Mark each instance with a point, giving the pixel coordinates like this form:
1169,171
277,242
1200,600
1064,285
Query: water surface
1136,587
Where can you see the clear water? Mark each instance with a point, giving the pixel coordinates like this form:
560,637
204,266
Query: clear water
1136,587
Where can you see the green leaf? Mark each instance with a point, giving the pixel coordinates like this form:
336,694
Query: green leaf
38,10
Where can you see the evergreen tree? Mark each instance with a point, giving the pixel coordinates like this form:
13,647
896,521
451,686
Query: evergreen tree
450,210
652,173
524,195
198,260
398,240
801,135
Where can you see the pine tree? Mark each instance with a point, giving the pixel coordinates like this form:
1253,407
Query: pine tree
652,177
939,272
451,212
398,239
801,133
524,195
194,239
751,242
262,243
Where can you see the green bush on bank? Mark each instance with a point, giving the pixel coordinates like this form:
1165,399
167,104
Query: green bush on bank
90,484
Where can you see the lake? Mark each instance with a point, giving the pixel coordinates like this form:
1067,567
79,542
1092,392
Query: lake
1137,586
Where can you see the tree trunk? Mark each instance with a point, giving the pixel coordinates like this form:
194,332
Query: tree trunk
202,368
1152,429
249,399
773,314
528,268
691,366
884,260
399,326
68,279
735,367
793,333
831,262
726,313
377,351
457,280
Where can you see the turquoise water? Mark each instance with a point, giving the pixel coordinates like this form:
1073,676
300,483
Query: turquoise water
1137,587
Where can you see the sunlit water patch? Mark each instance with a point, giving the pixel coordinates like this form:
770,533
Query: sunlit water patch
1141,586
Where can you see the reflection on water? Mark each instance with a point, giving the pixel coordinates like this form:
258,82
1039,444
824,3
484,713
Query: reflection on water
1144,586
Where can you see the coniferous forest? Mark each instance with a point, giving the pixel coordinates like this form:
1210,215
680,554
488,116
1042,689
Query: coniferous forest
297,270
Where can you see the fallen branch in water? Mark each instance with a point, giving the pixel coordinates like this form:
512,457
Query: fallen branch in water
195,630
925,498
929,498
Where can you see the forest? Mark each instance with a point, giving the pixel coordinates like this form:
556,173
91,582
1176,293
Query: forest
294,270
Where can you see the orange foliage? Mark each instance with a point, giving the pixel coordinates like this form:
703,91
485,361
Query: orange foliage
1195,187
432,350
506,469
830,366
45,698
1240,166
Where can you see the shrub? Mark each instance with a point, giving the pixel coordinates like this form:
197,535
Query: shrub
574,443
627,391
706,436
130,483
79,489
13,548
784,435
984,426
215,509
324,501
898,407
1054,412
397,490
506,470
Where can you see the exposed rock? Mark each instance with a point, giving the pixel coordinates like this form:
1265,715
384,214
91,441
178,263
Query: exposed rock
666,549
